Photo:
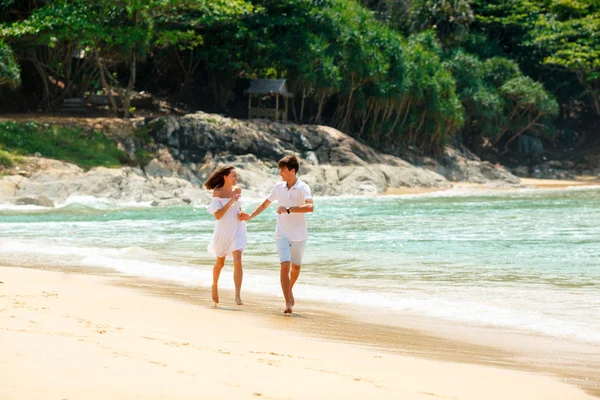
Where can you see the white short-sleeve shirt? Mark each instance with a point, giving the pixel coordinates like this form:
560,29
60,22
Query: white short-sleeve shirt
291,226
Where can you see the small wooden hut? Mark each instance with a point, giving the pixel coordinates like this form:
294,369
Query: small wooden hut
274,88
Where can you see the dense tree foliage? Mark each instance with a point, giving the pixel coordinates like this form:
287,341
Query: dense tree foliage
406,72
10,74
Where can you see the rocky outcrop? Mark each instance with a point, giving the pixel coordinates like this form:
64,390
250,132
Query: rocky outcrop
556,169
332,163
187,149
463,166
55,181
41,201
194,136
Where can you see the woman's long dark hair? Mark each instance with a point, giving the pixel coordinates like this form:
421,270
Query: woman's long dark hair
216,179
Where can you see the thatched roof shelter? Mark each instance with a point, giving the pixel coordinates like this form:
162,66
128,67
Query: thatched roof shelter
270,87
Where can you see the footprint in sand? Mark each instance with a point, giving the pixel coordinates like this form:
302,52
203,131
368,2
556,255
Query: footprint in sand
158,363
269,362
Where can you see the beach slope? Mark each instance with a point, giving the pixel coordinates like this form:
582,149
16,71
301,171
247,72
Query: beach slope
69,336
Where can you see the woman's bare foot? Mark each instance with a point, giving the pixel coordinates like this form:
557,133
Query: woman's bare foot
238,300
215,294
288,309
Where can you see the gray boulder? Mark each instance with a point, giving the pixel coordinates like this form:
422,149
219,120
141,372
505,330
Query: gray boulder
42,201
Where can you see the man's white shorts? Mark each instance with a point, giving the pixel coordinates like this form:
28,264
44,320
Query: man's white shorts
290,251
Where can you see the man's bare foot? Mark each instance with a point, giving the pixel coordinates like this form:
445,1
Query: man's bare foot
215,294
292,298
238,300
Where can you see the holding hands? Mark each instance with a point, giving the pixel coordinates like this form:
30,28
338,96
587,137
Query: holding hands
244,216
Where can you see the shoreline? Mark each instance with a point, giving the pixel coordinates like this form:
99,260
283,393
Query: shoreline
313,324
582,181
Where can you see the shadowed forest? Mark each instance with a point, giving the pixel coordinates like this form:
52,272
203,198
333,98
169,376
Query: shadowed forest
505,78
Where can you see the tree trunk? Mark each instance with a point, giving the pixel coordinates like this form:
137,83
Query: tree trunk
302,105
338,114
320,108
516,135
188,72
374,123
127,97
346,124
406,112
366,117
421,123
107,88
398,114
44,78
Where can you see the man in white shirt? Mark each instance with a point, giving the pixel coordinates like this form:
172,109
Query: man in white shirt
294,199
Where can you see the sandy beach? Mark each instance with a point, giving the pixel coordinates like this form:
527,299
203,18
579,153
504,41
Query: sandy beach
69,336
580,181
583,180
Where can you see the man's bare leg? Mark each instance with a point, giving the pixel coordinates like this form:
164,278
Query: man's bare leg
238,274
219,264
294,274
285,286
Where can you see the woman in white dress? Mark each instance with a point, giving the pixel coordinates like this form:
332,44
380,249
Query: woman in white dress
229,237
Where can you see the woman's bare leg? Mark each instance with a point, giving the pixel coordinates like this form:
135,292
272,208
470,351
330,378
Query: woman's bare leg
219,264
238,275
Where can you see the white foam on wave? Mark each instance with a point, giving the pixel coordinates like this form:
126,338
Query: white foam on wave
28,207
35,247
92,202
201,275
43,248
146,269
101,203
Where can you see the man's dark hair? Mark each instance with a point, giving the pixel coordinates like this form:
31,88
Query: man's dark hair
289,162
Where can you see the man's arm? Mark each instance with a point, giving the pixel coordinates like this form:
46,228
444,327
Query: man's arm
259,209
307,207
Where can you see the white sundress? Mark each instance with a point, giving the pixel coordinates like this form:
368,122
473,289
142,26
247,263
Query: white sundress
230,233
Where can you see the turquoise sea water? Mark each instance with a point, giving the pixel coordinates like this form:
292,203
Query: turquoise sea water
526,260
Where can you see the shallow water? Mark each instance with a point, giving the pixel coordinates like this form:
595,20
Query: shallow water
527,260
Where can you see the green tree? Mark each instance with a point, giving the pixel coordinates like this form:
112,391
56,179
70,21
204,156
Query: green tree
182,31
571,35
449,18
10,72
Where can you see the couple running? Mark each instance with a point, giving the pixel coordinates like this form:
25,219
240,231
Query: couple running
230,235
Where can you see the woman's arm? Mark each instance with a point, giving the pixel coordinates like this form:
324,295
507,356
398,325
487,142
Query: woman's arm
219,214
236,196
